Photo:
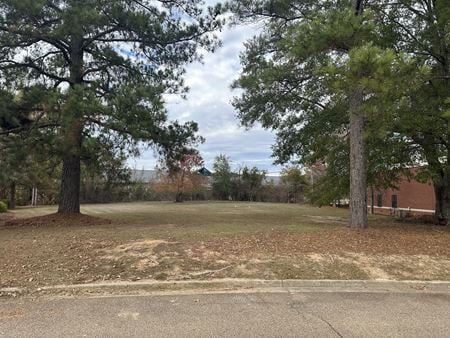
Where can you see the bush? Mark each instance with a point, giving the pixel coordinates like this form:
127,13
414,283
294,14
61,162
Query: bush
3,207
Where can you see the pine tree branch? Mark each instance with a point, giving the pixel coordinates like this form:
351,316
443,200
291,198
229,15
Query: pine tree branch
11,64
28,128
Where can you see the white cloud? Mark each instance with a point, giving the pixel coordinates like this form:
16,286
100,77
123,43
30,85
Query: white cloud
208,103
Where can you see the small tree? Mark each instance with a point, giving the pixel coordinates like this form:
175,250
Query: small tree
252,180
295,181
222,177
185,176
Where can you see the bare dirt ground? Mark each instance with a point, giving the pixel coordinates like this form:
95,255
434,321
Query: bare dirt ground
167,241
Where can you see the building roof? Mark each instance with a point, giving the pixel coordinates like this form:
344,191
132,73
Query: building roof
204,172
142,175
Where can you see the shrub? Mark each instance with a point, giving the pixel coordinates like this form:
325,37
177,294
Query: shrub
3,207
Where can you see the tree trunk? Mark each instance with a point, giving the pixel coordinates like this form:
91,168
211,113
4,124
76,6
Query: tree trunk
372,200
180,184
358,163
12,195
69,197
442,194
179,197
358,156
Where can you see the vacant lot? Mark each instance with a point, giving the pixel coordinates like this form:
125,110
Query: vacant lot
167,241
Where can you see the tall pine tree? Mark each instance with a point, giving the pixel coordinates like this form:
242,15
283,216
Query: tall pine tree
111,61
421,28
317,76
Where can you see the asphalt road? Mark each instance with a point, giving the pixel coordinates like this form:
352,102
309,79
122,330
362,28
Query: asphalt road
284,314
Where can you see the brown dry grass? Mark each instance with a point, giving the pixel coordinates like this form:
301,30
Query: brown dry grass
167,241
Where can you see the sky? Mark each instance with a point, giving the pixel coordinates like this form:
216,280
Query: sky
209,104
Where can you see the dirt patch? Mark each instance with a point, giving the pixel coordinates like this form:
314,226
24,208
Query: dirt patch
142,252
164,260
303,267
369,264
407,240
56,220
392,267
416,267
366,264
5,217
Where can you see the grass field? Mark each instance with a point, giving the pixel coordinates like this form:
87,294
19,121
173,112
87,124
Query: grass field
168,241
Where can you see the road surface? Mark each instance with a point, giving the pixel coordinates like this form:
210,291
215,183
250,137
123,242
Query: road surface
265,314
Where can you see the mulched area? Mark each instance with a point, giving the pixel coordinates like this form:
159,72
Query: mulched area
393,240
56,220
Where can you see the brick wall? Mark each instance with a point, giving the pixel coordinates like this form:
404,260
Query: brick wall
410,194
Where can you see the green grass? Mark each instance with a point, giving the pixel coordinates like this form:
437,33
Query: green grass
201,220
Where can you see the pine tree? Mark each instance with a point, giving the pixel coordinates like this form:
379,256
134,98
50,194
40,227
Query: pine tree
421,29
318,77
111,61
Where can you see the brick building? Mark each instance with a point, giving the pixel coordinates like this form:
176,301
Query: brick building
411,197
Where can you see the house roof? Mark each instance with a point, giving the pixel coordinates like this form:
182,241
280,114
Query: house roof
204,172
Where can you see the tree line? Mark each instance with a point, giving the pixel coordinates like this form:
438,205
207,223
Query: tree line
253,184
360,86
114,182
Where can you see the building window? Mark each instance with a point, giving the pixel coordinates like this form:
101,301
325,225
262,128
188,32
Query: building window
379,200
394,202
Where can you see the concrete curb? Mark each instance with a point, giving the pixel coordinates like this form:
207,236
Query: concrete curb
243,285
